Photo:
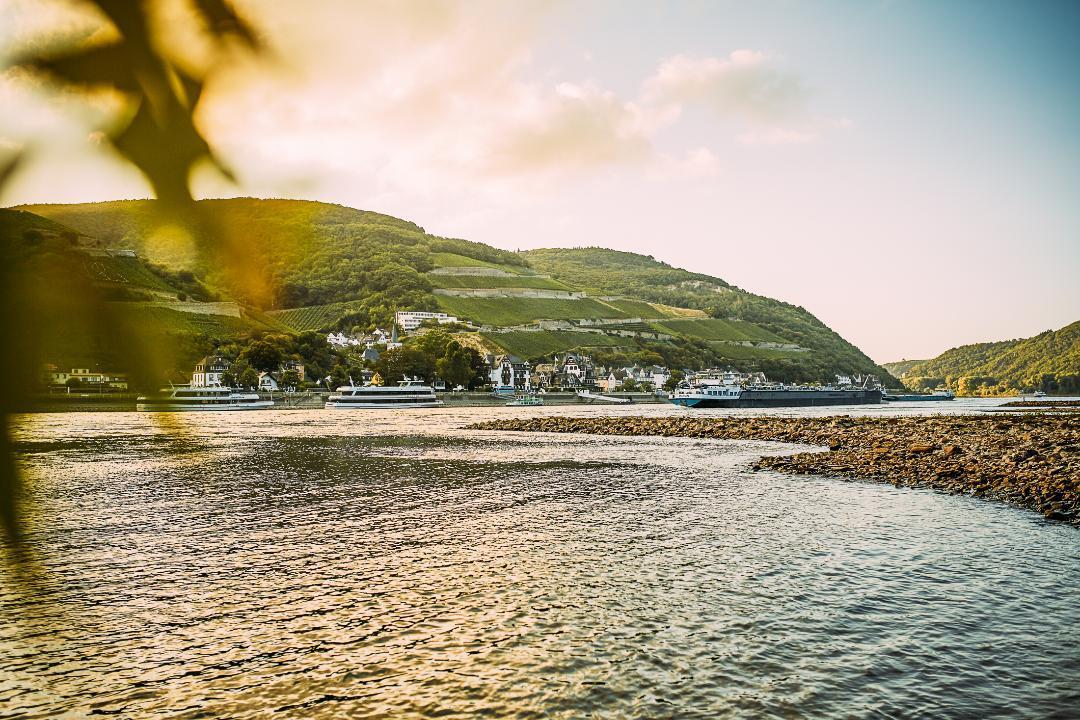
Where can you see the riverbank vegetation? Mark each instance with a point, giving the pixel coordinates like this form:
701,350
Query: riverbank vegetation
1049,361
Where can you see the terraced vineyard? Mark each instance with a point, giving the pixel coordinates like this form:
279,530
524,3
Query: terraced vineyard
639,308
495,282
633,327
732,352
312,317
446,259
532,345
504,312
129,271
715,329
159,319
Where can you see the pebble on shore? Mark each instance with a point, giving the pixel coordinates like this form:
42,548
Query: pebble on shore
1030,460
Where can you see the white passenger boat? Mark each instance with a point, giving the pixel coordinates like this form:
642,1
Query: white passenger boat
407,394
184,398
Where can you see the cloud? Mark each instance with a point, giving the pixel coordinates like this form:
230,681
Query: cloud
778,136
405,103
747,82
575,127
695,164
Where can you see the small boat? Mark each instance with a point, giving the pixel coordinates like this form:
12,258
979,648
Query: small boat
408,394
185,398
1040,393
526,401
587,395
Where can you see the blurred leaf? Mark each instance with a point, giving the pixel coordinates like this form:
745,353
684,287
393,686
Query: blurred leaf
223,21
130,19
100,65
193,88
9,166
165,153
162,140
9,484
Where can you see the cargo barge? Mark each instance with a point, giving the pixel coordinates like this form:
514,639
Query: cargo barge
936,395
726,396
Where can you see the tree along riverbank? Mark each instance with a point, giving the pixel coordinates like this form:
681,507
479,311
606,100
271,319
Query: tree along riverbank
1042,404
1030,460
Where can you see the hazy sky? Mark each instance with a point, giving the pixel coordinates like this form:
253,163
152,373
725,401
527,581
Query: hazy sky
907,171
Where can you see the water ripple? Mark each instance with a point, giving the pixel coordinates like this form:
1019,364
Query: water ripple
374,566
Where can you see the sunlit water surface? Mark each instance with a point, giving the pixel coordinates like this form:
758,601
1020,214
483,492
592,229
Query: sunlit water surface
372,564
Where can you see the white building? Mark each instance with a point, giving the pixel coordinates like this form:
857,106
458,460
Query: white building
509,372
209,371
409,321
85,376
658,375
341,340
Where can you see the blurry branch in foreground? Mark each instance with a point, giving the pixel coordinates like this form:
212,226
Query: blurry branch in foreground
156,132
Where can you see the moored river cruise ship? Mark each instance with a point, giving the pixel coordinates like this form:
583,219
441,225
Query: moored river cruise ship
184,398
407,394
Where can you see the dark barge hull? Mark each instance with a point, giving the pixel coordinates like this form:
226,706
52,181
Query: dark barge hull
786,398
918,398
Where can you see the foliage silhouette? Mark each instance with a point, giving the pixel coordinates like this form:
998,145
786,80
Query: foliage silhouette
155,131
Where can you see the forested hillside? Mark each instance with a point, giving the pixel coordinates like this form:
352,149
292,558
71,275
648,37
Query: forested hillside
306,266
900,367
83,305
1050,362
302,253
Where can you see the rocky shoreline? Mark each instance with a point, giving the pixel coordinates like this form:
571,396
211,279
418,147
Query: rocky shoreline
1029,460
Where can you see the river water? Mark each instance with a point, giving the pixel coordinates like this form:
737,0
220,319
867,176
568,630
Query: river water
390,564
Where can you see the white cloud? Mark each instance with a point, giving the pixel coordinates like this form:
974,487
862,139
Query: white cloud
747,82
694,164
575,127
425,101
778,136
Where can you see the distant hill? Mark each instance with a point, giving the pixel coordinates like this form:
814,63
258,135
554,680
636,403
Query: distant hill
316,266
1050,362
900,367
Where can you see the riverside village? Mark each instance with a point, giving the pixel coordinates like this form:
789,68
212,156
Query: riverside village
379,364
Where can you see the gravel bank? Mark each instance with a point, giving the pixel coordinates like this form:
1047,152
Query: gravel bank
1030,460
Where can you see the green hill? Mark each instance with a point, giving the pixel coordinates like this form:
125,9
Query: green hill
300,265
1050,362
83,303
900,368
639,276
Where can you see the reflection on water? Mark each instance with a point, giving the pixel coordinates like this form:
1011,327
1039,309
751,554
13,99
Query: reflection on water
374,564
